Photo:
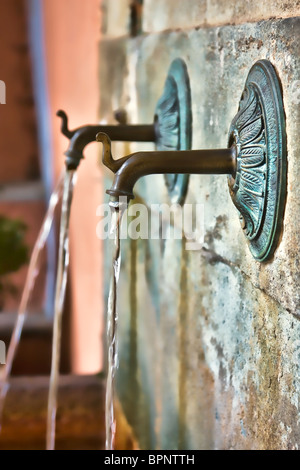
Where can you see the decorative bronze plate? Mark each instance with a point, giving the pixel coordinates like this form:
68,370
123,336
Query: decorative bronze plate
173,121
258,188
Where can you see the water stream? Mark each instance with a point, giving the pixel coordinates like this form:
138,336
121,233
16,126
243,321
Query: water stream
64,189
112,322
61,283
33,270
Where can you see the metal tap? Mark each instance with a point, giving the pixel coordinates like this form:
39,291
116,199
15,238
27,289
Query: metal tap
84,135
132,167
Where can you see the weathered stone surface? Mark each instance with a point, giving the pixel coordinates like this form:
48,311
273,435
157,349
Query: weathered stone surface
209,340
206,359
226,54
251,345
160,14
116,14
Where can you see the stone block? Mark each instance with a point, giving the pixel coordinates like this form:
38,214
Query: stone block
159,15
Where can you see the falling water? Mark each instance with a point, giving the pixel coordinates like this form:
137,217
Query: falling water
112,322
32,273
61,283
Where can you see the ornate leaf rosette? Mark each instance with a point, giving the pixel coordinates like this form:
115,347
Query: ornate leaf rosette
248,187
173,119
259,184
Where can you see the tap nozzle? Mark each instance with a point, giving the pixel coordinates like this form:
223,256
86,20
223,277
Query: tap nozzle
111,164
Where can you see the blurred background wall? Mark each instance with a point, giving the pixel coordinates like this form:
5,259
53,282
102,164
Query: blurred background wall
72,33
49,61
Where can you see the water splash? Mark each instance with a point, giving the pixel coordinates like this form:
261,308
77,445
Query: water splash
112,322
61,283
32,273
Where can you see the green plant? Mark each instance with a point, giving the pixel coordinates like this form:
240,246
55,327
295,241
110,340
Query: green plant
13,253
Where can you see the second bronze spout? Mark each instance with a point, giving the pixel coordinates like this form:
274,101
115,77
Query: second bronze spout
84,135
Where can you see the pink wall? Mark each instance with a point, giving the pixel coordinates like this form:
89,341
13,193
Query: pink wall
72,31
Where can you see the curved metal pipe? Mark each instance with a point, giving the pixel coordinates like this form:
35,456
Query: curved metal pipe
132,167
81,137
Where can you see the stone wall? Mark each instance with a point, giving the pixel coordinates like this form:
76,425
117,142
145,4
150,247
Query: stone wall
209,340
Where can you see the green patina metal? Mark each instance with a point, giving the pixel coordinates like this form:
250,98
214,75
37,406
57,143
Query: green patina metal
173,118
258,187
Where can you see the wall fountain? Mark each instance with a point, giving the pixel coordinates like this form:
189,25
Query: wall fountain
254,161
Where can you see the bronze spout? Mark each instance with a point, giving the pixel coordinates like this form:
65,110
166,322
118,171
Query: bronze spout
81,137
132,167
